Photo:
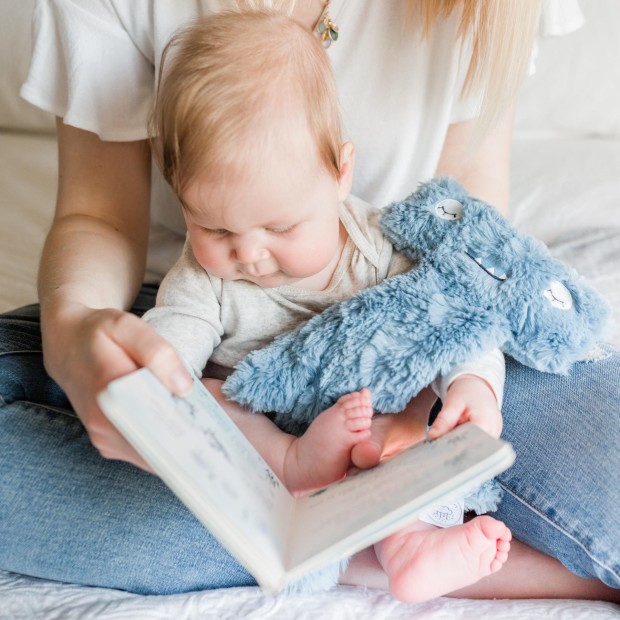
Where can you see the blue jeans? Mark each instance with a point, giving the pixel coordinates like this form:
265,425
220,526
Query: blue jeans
70,515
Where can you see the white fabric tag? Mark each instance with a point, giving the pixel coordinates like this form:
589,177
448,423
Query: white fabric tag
445,515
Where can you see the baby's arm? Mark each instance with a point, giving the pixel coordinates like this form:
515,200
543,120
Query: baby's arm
187,313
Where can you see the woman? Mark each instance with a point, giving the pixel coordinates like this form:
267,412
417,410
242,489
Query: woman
426,88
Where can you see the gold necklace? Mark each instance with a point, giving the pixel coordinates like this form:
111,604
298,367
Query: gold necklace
325,28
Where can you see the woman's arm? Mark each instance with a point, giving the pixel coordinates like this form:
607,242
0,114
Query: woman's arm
102,211
483,167
91,268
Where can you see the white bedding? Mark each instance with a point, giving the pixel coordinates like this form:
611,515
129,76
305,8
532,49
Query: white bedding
29,599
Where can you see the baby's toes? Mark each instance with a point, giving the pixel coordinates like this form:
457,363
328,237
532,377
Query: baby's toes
358,420
503,545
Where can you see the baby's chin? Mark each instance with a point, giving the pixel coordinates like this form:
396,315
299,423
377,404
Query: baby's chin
272,280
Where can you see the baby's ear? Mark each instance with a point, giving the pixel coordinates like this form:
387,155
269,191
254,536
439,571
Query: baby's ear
346,162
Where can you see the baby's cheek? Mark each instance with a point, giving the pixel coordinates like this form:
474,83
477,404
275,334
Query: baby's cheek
311,258
213,259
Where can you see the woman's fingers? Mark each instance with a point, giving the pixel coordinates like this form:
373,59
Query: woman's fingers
148,349
96,346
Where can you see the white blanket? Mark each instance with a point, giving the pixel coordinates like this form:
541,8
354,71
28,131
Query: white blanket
32,599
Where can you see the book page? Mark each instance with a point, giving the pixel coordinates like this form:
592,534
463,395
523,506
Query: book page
206,460
365,507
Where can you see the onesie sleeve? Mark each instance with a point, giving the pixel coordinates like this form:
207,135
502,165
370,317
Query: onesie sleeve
187,312
491,367
87,69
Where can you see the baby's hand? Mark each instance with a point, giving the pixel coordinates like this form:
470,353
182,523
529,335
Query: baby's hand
469,399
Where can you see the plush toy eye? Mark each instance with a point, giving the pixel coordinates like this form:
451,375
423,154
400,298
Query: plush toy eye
449,209
559,296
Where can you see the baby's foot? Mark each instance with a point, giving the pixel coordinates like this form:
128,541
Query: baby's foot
323,453
421,565
391,433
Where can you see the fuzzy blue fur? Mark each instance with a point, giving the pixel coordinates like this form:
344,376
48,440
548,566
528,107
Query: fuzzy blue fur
398,336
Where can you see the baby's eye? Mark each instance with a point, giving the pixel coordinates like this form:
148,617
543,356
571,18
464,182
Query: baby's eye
283,230
216,232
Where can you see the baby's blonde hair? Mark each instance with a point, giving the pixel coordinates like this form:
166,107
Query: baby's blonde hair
231,74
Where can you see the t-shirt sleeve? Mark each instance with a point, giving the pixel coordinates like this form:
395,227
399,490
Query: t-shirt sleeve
87,69
187,313
558,17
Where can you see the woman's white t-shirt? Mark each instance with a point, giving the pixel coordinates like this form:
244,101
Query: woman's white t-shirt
95,64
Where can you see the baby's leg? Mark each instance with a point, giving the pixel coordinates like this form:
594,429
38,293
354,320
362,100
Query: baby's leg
423,562
321,455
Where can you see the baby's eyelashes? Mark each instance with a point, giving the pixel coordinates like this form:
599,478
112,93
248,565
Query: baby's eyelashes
281,231
219,232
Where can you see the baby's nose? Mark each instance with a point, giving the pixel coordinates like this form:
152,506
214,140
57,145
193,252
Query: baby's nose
248,254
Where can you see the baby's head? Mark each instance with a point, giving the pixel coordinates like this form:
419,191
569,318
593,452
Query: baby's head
248,135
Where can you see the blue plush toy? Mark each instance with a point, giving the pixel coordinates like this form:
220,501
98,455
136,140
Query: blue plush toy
477,285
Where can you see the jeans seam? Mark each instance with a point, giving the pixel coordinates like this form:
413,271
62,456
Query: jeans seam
27,352
51,408
562,530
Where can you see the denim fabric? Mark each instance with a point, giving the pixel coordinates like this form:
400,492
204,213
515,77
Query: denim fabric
70,515
562,493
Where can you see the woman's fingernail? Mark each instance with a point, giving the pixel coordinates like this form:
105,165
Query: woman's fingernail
180,381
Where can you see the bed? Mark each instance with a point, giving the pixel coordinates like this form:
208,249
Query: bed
566,190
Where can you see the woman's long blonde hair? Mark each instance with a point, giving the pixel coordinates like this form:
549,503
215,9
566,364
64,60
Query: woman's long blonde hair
501,34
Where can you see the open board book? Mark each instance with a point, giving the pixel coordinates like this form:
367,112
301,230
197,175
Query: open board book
203,457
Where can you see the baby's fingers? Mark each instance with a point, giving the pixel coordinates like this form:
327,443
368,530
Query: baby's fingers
447,419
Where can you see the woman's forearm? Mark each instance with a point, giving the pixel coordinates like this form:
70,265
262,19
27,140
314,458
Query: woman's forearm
480,163
94,254
87,261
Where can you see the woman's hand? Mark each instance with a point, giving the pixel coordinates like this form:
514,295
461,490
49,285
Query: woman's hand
469,399
89,348
91,268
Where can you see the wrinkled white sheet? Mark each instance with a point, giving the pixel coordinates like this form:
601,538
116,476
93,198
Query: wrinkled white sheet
31,599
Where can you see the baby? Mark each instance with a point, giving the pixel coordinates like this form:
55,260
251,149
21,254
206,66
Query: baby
248,134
